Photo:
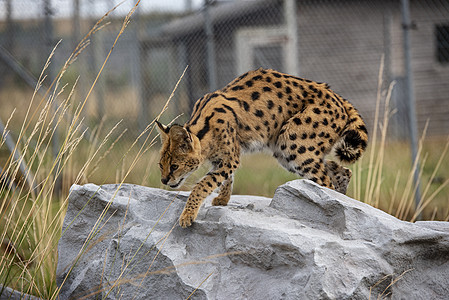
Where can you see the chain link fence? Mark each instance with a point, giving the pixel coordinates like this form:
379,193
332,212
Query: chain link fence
338,42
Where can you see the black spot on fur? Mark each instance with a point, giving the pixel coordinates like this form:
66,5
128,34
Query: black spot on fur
258,113
360,127
307,162
255,95
233,113
245,105
354,139
206,127
266,89
291,157
220,109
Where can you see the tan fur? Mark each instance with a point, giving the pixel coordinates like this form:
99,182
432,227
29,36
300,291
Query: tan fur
298,120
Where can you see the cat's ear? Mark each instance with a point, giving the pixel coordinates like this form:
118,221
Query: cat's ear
163,131
181,138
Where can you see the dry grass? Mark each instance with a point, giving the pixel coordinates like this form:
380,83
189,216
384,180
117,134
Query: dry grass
31,214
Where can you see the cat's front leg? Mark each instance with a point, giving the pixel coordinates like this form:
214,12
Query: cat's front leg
203,189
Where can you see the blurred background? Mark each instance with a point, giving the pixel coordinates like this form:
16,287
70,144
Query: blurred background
339,42
345,43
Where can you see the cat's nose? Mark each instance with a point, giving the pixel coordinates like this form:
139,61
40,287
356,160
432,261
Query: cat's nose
164,180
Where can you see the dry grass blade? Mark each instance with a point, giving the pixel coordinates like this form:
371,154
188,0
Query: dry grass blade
138,156
383,293
426,201
163,239
37,223
370,179
393,282
121,280
207,277
405,202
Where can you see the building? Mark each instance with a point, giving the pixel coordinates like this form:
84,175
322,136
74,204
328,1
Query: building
338,42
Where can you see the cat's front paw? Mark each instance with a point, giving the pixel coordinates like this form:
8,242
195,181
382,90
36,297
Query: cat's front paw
186,219
220,201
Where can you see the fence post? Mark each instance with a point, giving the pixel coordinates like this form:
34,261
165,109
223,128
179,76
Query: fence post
210,47
9,32
292,33
407,26
142,118
76,23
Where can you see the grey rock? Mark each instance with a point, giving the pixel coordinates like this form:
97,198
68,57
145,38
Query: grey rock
308,242
7,293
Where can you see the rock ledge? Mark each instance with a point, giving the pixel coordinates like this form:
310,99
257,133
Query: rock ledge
308,242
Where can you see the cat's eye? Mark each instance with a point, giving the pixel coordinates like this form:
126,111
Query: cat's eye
173,168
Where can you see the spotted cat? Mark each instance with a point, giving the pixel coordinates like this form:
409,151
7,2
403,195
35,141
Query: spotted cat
298,120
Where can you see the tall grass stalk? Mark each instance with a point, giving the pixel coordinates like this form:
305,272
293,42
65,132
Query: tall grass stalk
370,180
426,200
28,215
368,184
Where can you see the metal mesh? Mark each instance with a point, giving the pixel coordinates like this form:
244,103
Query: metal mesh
338,42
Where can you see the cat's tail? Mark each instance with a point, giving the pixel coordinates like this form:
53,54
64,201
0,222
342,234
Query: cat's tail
354,137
